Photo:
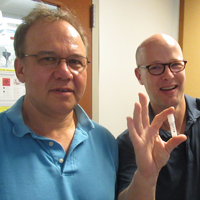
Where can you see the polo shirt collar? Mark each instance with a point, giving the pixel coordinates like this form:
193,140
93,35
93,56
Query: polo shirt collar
83,119
20,129
15,115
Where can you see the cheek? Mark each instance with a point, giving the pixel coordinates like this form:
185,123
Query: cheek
145,77
151,86
149,81
80,83
182,83
180,78
84,82
183,77
35,78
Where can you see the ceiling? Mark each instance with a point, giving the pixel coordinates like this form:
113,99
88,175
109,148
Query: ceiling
17,8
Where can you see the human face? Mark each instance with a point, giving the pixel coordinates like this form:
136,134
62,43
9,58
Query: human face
55,90
167,89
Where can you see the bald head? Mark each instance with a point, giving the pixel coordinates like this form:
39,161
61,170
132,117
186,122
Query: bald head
157,48
165,89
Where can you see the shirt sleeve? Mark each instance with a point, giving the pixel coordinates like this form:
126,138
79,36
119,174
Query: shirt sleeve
127,162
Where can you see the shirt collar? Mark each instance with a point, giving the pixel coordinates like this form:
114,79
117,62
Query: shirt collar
83,119
192,110
15,115
193,107
20,129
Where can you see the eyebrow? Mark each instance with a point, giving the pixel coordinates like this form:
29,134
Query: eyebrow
53,52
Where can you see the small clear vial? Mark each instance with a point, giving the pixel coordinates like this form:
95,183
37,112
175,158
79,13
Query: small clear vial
172,124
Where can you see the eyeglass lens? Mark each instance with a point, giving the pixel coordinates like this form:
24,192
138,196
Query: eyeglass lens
51,59
159,68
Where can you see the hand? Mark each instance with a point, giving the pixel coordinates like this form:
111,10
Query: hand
152,153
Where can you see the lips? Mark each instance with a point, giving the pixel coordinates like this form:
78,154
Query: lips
63,90
168,88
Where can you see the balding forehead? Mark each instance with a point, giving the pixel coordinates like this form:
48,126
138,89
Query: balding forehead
155,43
140,52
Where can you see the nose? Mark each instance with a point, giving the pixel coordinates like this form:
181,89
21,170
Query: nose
62,71
168,73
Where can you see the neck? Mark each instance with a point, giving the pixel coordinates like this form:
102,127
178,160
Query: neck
179,115
55,127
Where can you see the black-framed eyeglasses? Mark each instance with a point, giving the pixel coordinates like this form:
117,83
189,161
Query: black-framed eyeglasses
48,59
159,68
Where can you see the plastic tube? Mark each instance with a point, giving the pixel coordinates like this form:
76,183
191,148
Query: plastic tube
172,124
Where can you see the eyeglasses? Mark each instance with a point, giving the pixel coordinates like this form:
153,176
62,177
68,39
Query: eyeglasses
47,59
159,68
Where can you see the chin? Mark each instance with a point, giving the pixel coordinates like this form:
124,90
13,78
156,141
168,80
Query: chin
173,103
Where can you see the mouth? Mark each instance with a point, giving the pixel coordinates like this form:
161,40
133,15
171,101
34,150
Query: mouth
62,90
168,88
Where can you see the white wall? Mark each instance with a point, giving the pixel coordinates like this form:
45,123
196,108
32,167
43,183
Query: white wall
123,25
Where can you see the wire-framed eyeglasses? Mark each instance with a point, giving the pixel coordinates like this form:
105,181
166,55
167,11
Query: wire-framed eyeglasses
159,68
48,59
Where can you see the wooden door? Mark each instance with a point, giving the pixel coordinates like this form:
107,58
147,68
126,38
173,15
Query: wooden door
190,42
82,10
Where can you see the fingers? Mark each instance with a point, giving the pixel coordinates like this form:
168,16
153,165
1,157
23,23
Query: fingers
137,118
161,117
134,125
132,132
144,105
174,142
140,116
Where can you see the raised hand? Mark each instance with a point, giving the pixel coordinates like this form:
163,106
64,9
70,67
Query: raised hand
152,153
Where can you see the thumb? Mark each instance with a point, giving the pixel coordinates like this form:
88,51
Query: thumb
174,142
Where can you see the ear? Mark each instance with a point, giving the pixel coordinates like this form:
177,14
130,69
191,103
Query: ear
19,69
138,75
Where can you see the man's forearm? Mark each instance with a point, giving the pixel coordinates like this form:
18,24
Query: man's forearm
141,188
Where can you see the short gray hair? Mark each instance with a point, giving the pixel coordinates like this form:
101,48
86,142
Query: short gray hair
42,12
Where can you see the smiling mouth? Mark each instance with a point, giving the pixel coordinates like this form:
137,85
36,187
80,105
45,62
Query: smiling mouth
168,88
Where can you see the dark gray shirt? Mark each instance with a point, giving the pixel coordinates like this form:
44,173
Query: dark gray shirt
179,179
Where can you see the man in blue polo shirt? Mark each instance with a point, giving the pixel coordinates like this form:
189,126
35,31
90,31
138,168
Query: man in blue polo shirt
49,148
161,69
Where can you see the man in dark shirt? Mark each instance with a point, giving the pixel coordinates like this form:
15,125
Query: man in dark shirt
161,69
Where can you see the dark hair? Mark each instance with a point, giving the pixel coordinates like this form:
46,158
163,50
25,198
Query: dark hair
42,12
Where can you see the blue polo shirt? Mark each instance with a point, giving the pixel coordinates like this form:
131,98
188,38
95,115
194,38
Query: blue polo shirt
35,167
